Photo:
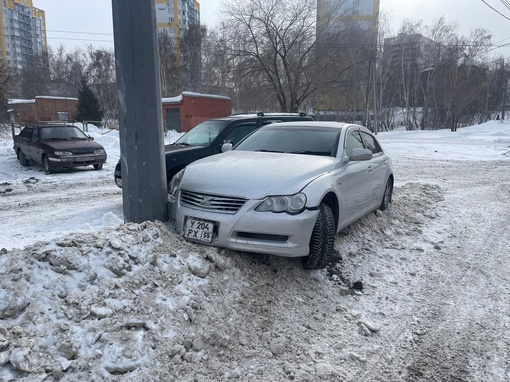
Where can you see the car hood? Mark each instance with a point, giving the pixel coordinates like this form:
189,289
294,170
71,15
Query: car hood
73,144
254,175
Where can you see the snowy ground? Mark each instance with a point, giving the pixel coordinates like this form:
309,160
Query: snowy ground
84,297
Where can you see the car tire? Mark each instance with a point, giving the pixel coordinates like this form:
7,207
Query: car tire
22,158
322,242
47,165
98,166
387,195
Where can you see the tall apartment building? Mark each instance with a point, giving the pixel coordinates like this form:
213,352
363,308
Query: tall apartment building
364,14
176,16
357,23
409,49
22,32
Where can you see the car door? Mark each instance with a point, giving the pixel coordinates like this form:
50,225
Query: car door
358,176
379,164
25,141
35,150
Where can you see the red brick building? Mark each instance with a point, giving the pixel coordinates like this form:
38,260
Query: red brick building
42,108
183,112
180,113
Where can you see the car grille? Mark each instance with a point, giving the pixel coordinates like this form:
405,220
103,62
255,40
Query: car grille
214,203
83,150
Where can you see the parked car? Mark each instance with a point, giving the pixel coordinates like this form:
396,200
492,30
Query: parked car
206,138
58,146
286,190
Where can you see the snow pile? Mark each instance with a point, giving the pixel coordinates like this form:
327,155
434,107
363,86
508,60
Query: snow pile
137,302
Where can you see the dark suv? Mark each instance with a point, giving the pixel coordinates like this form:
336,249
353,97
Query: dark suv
206,138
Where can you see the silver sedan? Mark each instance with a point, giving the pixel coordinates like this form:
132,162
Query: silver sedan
286,190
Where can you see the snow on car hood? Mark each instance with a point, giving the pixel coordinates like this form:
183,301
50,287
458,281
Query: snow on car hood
254,175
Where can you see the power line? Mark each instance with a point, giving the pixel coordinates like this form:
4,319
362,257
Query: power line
78,39
495,10
76,32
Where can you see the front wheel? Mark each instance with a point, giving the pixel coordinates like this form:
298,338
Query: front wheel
98,166
322,242
388,193
47,165
22,158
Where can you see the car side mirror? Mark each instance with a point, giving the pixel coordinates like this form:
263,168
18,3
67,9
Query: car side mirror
226,147
360,154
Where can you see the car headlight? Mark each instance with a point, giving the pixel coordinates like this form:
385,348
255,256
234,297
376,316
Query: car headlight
175,183
63,153
100,152
291,204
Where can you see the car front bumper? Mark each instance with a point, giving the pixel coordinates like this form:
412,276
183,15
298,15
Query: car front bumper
247,230
77,160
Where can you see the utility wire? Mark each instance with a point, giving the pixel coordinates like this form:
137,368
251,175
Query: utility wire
56,31
77,39
495,10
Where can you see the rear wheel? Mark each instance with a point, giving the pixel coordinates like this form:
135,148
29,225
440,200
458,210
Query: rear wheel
388,193
47,165
22,158
322,242
98,166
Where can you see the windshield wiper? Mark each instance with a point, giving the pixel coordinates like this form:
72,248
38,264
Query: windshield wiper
323,153
268,151
180,144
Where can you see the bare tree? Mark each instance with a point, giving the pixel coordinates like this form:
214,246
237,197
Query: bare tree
191,51
285,47
4,90
33,79
66,71
101,78
170,66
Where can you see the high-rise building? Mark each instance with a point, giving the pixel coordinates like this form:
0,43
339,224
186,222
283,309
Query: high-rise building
22,32
176,16
355,23
409,49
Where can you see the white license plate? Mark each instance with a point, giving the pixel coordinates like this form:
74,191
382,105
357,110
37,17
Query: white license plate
200,230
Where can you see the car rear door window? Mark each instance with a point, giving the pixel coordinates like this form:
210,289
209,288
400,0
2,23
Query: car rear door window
240,131
35,136
371,143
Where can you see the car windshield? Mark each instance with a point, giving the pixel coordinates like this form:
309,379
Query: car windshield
294,140
202,134
62,133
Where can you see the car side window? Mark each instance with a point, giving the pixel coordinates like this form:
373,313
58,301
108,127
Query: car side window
353,141
371,143
26,133
240,131
35,136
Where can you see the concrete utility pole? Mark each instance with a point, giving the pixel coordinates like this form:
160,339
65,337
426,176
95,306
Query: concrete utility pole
144,186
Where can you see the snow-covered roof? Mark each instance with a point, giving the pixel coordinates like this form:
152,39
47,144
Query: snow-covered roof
18,101
178,99
52,97
172,99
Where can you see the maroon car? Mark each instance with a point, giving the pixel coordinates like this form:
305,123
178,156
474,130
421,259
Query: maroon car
57,146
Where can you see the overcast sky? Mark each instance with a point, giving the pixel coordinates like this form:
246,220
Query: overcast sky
66,18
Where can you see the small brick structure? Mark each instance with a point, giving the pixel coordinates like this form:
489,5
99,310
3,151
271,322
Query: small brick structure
184,112
180,113
42,108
